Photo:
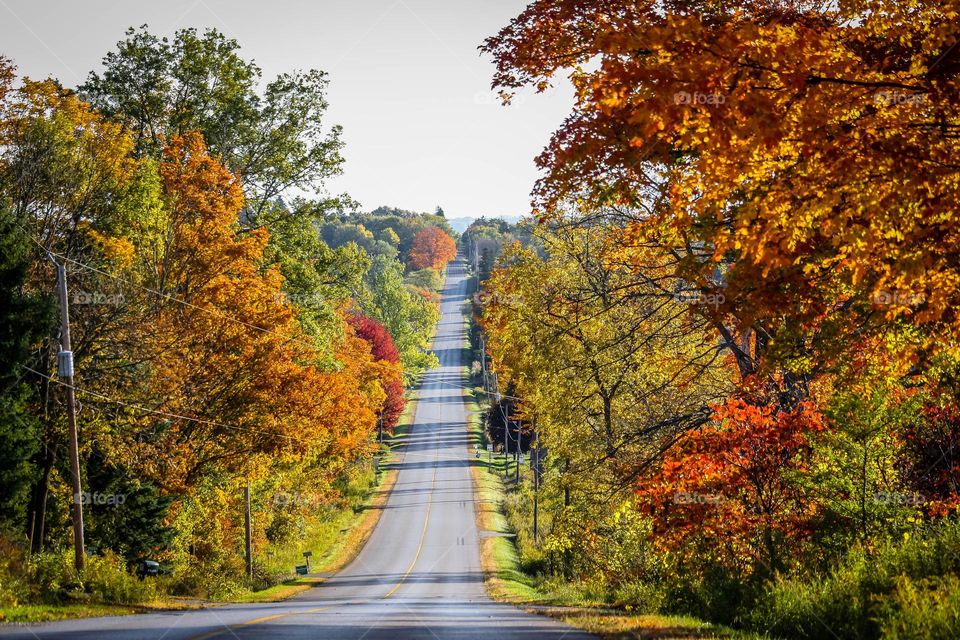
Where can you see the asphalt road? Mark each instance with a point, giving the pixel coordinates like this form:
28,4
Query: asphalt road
417,577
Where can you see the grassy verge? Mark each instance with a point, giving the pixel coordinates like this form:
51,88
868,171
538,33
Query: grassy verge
506,581
48,612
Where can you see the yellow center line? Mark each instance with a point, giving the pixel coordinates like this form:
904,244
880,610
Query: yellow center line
231,627
423,535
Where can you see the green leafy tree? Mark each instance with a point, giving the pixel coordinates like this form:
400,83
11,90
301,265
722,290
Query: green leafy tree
276,140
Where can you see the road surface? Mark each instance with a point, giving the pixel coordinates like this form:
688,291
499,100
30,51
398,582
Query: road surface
417,577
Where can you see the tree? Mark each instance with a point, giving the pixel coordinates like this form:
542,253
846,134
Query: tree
66,176
726,491
383,350
276,140
610,369
407,316
815,178
318,280
432,249
237,348
25,319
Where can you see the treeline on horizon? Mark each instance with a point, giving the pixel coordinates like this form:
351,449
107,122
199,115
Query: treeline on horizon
224,334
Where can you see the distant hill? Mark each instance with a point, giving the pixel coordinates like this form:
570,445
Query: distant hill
460,224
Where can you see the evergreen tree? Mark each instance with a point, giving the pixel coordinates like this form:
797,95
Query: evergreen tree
24,320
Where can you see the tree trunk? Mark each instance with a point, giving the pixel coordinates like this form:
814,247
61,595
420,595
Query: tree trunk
38,509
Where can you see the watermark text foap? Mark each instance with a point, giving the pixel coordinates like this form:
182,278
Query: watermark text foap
903,499
692,497
697,98
102,499
503,299
293,500
891,98
97,298
694,297
898,298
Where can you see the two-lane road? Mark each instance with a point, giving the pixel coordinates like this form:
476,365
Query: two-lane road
419,574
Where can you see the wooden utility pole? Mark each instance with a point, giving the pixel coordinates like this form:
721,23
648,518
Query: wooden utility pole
65,369
535,463
249,533
518,454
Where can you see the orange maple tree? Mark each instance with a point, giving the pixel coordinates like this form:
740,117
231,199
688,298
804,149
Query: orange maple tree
806,147
225,346
432,249
725,490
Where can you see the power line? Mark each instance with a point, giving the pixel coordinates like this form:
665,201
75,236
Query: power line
171,298
185,303
161,413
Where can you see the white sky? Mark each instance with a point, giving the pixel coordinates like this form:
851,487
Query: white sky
407,84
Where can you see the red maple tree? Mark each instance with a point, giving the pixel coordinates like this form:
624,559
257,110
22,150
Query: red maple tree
383,349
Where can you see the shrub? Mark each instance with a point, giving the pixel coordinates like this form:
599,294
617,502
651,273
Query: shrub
922,609
650,598
107,580
52,577
799,608
892,590
14,588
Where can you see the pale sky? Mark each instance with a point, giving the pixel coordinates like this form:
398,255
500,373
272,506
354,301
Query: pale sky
407,84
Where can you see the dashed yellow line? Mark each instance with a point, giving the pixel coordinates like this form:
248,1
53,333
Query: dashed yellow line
247,623
423,537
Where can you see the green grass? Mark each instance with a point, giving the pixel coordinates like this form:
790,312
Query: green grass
48,612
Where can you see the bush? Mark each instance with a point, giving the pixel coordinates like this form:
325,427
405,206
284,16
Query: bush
922,609
49,578
14,588
650,598
798,608
897,591
52,577
107,580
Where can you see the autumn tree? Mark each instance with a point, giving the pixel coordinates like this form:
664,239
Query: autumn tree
727,492
235,345
383,349
798,145
611,370
432,249
66,175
